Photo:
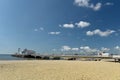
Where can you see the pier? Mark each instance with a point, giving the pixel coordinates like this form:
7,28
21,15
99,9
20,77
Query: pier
30,54
63,57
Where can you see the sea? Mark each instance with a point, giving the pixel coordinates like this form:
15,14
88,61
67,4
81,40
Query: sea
9,57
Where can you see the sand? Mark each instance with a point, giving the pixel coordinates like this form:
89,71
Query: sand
59,70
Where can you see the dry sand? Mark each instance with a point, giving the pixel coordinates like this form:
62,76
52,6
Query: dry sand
59,70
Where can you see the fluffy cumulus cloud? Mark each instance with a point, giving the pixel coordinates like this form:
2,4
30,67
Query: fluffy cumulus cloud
68,25
88,49
87,4
54,33
100,33
85,49
75,49
90,33
117,47
68,48
65,48
104,49
82,24
96,7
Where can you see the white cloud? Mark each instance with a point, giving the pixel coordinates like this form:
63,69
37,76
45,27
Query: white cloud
75,49
109,4
117,47
83,3
100,33
89,33
65,48
97,7
82,24
68,25
85,47
54,33
87,4
88,49
105,49
68,48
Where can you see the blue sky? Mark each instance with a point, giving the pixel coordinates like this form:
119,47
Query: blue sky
48,26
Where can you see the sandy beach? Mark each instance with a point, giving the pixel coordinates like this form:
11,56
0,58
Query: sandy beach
59,70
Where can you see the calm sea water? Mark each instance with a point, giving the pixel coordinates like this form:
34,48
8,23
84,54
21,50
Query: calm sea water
9,57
